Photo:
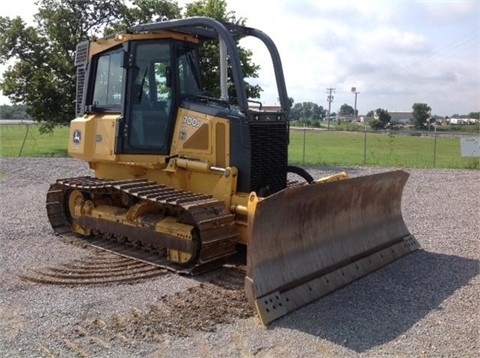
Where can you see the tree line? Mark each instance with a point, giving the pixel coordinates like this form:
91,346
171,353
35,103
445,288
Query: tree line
14,111
41,81
43,76
421,116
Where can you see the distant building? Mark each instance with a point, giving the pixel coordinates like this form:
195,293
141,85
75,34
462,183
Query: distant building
400,117
459,121
456,121
365,119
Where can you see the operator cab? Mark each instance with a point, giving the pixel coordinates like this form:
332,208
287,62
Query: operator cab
150,73
144,79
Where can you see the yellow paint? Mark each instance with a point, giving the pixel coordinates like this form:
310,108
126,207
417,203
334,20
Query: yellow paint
199,160
132,216
92,138
171,226
196,135
332,178
104,137
82,133
102,45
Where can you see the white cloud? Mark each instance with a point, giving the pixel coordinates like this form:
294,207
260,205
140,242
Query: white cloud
449,12
23,8
395,52
394,40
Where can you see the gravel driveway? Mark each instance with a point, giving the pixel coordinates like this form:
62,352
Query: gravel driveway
426,304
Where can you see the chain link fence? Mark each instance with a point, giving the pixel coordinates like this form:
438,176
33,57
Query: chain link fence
23,138
308,146
415,149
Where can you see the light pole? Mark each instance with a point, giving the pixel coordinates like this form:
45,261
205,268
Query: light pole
354,90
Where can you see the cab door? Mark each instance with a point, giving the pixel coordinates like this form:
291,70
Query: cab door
149,109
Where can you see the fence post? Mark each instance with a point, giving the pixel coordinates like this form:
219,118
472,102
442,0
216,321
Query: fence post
24,139
304,140
365,146
434,146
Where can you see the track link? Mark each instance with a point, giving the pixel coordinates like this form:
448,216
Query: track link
214,224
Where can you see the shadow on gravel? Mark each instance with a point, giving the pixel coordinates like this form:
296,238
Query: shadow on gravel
378,308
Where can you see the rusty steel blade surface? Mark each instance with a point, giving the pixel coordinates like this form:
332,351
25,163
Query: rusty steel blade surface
307,241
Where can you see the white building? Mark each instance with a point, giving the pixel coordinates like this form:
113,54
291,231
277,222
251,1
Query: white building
400,117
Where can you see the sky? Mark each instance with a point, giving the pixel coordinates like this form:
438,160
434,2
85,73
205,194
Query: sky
395,53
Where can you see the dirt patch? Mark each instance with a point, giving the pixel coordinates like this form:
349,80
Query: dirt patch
201,308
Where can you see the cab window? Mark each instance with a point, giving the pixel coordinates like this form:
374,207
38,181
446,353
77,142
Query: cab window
188,72
109,79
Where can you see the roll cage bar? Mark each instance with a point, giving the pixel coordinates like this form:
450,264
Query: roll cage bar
207,29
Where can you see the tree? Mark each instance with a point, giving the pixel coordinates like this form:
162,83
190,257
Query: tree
370,113
421,112
291,101
209,53
16,111
307,110
346,110
143,11
474,115
43,75
382,119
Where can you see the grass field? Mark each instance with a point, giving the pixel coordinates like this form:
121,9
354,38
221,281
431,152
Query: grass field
330,148
14,136
377,149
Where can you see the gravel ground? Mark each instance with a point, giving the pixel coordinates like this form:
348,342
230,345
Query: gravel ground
426,304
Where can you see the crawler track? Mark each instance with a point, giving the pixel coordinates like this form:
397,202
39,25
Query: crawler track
100,267
214,225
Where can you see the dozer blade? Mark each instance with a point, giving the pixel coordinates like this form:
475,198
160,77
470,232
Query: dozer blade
307,241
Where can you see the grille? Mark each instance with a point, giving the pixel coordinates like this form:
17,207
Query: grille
269,156
81,59
81,53
79,93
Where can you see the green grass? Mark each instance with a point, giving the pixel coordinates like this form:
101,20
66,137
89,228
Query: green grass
330,148
382,149
12,138
464,128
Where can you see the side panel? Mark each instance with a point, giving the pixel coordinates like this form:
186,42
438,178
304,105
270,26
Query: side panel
105,137
201,142
92,137
80,144
202,137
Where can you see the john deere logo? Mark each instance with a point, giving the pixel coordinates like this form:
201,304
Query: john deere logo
77,136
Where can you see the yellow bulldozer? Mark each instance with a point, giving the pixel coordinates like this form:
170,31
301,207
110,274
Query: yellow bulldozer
185,180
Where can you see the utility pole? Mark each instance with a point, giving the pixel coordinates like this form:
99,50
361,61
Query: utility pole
330,100
354,90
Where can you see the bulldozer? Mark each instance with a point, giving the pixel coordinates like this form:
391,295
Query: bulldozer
187,180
